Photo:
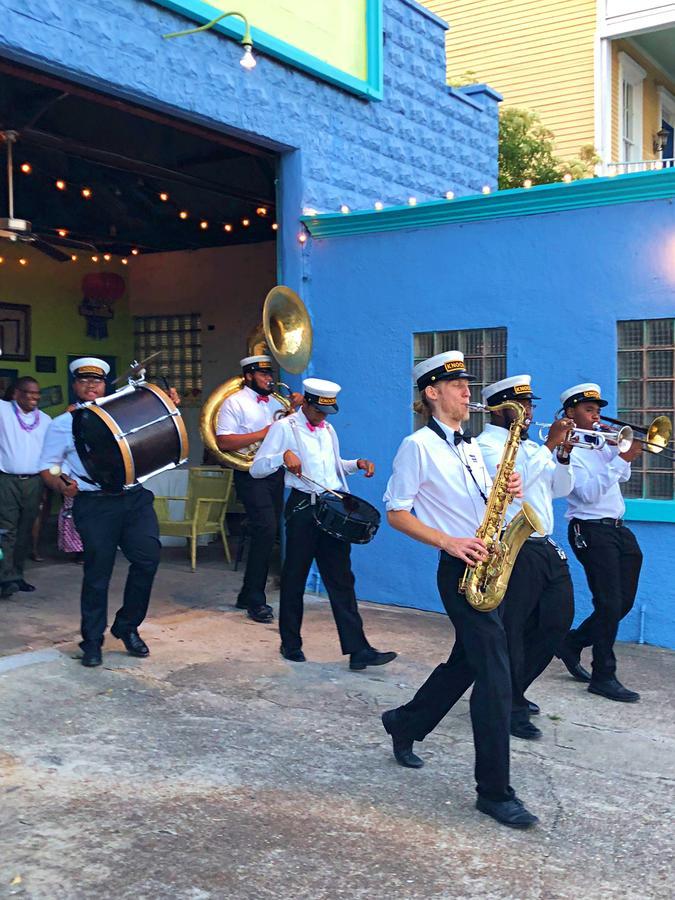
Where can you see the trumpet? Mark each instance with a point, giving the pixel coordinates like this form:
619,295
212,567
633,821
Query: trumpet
593,438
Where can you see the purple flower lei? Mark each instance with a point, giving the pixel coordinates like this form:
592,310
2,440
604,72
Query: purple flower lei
31,425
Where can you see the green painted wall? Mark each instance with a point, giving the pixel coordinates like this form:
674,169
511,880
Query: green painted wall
53,291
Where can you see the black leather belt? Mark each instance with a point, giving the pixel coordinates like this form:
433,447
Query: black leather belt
22,477
615,523
538,539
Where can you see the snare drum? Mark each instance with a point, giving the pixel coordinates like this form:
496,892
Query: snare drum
348,518
129,436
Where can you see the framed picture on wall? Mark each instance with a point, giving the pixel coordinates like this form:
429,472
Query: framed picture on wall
7,377
14,332
51,396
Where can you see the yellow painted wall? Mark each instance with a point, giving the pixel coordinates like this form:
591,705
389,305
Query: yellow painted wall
332,30
651,108
539,55
53,291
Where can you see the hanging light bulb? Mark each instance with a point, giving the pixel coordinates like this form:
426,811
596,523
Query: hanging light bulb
62,232
73,258
449,195
86,193
227,227
23,261
309,211
2,259
183,214
261,210
60,185
248,60
94,259
379,205
245,222
487,189
163,196
124,261
107,257
203,224
412,201
275,227
26,168
302,237
567,177
344,209
527,183
135,252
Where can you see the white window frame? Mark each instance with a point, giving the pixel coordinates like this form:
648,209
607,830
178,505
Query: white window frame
631,73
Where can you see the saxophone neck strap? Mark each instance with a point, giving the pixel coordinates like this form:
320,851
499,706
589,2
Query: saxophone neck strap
436,428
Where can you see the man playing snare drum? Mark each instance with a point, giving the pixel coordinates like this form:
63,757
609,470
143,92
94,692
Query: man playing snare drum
307,446
105,522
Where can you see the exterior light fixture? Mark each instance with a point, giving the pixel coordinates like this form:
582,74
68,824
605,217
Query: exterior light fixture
183,214
124,261
487,189
106,257
449,195
62,232
275,227
660,140
94,259
86,193
412,201
135,252
261,210
227,227
527,183
73,258
248,60
26,168
379,205
302,237
344,209
60,184
245,222
23,261
164,196
567,178
203,224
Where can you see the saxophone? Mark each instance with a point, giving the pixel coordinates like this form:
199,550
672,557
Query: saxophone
484,584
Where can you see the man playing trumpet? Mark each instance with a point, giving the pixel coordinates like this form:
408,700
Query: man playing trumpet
608,551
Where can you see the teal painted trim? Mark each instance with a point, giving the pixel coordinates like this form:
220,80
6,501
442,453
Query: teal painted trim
482,88
372,87
546,198
650,510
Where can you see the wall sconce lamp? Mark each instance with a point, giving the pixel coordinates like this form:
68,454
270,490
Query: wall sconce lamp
248,60
660,140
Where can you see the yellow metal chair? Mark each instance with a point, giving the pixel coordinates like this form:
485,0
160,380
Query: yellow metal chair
206,504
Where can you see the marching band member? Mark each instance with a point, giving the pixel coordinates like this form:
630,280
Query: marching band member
104,522
538,607
245,418
439,474
22,430
604,546
307,445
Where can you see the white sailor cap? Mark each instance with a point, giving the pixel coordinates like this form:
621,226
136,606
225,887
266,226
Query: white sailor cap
256,364
89,365
582,393
516,387
322,394
442,366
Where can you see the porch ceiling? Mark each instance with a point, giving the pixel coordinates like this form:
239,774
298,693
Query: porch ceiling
660,45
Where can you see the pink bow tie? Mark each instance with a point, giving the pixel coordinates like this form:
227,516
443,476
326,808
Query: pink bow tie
262,399
314,427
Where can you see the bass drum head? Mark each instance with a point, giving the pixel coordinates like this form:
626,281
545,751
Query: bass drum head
99,450
348,518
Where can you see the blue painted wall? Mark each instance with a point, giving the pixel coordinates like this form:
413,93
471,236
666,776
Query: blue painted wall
559,282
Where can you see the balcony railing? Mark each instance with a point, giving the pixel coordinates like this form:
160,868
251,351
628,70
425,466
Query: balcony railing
641,165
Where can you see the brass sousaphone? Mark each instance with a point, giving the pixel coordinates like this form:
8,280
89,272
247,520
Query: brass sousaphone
286,334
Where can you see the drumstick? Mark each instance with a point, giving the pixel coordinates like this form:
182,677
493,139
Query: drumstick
325,489
163,372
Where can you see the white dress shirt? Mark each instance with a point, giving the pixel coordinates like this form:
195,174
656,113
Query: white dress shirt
19,449
431,477
242,413
597,475
317,449
544,478
59,450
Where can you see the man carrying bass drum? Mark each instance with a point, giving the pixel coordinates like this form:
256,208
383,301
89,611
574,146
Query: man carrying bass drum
307,446
105,521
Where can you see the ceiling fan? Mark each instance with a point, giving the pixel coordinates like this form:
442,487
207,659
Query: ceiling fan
13,229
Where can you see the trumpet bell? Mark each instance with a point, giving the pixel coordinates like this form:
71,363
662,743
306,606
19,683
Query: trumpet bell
288,329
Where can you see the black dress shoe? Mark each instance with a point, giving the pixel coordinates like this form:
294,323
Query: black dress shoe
262,614
370,657
525,730
508,812
572,662
292,655
134,643
402,746
612,689
534,710
92,658
24,586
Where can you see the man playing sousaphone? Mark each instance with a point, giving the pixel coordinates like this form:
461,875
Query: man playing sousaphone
307,447
245,418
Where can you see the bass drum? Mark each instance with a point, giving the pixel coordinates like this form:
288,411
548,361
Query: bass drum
347,518
129,436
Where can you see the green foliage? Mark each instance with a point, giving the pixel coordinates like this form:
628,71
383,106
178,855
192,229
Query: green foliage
526,151
464,78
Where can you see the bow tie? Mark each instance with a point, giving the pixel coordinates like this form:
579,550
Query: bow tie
314,427
462,436
262,399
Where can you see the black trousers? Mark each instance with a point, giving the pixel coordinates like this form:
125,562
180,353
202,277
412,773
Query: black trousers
19,505
106,522
479,657
612,560
263,500
537,612
306,542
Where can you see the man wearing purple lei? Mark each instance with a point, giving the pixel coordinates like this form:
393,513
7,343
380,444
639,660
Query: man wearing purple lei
22,431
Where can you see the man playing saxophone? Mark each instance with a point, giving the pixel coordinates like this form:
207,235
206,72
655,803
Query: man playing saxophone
439,474
539,603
